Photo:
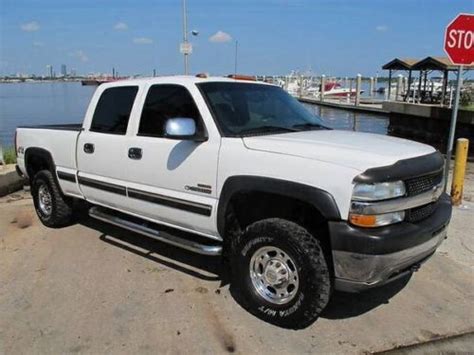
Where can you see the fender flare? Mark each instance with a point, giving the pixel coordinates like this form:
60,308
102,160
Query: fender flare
322,200
44,154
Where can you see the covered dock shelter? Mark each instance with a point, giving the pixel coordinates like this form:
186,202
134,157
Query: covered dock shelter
424,66
441,64
404,64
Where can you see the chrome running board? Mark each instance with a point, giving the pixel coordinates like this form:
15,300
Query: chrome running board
102,215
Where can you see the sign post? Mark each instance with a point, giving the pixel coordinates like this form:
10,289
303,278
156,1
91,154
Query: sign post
459,46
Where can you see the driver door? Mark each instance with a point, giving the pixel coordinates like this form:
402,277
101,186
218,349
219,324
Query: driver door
173,181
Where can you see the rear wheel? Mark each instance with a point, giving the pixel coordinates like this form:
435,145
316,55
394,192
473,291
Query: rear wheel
52,207
279,273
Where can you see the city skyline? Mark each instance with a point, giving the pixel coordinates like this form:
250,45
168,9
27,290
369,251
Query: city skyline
275,37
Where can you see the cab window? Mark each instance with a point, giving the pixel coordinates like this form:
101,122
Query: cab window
112,112
164,102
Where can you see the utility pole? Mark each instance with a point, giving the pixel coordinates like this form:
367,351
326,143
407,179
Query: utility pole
185,38
235,60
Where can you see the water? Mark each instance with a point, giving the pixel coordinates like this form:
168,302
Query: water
351,121
40,103
56,103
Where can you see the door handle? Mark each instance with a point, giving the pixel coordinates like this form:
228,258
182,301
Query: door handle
89,148
135,153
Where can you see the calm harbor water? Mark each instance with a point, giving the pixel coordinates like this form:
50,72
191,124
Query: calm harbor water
55,103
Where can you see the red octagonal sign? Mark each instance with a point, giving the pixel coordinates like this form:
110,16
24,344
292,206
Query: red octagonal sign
459,40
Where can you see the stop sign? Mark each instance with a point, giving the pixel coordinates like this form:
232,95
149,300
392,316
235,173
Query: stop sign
459,40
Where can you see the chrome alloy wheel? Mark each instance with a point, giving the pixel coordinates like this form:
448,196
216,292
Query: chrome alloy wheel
45,200
274,275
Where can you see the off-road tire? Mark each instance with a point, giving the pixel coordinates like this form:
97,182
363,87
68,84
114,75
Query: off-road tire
62,207
315,283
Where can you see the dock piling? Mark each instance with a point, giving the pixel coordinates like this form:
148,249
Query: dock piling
323,84
371,89
358,84
389,85
398,89
460,160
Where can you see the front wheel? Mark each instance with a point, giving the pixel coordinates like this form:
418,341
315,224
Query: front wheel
279,273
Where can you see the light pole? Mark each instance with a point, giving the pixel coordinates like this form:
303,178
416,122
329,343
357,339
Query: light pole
235,59
186,47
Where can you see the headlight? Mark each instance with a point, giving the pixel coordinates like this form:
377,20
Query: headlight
376,220
378,191
372,193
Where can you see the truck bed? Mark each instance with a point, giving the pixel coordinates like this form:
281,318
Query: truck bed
59,141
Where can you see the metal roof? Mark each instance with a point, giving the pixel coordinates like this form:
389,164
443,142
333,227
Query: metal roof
428,63
437,63
400,64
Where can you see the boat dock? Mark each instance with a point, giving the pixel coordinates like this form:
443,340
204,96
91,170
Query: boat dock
368,107
418,107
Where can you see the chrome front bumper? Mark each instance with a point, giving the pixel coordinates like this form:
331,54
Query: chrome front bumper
355,272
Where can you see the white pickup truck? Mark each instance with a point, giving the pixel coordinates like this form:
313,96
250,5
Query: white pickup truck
247,172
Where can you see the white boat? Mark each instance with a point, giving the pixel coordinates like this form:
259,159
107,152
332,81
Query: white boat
335,90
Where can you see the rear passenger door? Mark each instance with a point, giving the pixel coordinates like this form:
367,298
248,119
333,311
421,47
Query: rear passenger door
102,152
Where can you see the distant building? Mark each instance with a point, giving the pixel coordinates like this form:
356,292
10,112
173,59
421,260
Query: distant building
63,70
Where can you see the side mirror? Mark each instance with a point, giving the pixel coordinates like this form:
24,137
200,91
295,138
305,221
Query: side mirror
182,128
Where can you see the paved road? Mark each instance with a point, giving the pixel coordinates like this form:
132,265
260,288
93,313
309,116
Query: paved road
92,288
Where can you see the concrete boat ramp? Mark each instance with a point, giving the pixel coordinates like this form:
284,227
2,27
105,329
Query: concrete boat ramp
92,288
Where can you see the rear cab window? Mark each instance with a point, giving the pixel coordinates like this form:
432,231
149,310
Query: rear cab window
113,109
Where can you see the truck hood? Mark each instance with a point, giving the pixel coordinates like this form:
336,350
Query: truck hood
355,150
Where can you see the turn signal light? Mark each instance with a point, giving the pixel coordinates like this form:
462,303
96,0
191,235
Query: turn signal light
376,220
363,220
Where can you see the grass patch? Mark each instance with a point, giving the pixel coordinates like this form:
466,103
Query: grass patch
9,155
468,108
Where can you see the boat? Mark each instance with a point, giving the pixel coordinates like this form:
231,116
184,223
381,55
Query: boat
334,89
98,81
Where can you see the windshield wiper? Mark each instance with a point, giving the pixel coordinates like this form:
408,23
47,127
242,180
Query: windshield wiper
308,125
268,128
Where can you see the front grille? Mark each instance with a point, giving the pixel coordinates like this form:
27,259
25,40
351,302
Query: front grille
419,213
418,185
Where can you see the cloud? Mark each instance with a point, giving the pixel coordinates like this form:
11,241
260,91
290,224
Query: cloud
38,44
30,26
142,40
121,26
381,28
79,54
220,37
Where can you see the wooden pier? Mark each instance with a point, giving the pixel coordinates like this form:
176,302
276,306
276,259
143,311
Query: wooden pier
368,106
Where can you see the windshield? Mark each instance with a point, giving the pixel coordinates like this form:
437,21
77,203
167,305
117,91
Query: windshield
244,109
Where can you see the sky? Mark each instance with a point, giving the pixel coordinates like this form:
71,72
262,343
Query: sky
332,37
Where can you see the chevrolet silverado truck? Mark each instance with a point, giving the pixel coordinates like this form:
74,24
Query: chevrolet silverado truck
242,169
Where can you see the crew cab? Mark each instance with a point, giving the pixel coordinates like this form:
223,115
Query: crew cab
241,169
